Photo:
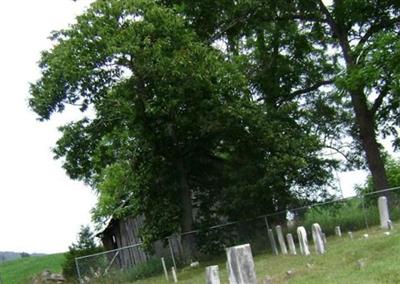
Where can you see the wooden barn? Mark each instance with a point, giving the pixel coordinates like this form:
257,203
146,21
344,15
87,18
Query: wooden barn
121,233
124,233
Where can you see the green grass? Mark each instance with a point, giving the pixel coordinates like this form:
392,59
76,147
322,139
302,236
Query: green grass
379,253
22,270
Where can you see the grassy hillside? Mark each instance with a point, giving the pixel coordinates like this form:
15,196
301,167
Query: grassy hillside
21,270
372,260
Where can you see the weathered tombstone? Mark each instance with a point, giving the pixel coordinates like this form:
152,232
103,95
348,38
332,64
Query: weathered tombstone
174,274
350,235
281,239
165,269
303,243
241,265
338,232
292,247
317,237
273,242
212,275
383,212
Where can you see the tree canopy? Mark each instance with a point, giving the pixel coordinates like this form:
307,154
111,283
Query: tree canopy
179,129
338,58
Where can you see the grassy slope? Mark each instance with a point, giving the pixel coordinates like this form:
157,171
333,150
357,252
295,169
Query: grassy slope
21,270
380,253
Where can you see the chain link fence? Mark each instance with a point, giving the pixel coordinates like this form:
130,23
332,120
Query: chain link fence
358,213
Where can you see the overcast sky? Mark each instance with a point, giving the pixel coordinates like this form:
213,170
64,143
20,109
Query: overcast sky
41,209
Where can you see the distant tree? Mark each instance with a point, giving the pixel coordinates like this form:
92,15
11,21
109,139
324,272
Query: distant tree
24,254
85,245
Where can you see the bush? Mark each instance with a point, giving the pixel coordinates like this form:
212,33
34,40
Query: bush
86,245
349,215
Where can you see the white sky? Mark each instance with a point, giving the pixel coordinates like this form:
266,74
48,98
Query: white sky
41,209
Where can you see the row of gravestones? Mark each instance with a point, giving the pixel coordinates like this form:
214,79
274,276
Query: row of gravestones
317,234
240,264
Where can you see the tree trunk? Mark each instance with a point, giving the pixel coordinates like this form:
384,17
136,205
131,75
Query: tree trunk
188,240
365,119
366,125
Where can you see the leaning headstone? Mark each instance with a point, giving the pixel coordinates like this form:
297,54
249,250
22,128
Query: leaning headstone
292,247
273,242
303,243
317,237
212,275
281,239
383,212
174,274
338,232
164,268
241,265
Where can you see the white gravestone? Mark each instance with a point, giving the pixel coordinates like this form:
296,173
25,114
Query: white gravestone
212,275
383,212
318,239
273,242
174,277
165,269
292,247
241,265
281,239
338,232
303,243
350,235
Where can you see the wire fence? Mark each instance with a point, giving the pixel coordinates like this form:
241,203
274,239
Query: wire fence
358,213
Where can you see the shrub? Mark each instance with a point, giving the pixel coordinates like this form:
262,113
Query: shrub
86,245
349,215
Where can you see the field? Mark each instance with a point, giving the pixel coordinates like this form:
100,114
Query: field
375,259
22,270
372,260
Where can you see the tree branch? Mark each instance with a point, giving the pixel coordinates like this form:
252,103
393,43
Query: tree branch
375,27
337,150
311,88
379,100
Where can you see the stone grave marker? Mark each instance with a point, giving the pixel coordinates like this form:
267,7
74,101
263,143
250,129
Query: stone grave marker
303,243
383,212
281,239
338,232
273,242
292,247
241,265
212,275
318,239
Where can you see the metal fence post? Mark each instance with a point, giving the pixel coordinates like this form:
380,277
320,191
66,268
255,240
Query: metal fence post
172,251
78,272
364,212
270,237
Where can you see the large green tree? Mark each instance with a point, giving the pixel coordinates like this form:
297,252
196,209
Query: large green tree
172,130
294,48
